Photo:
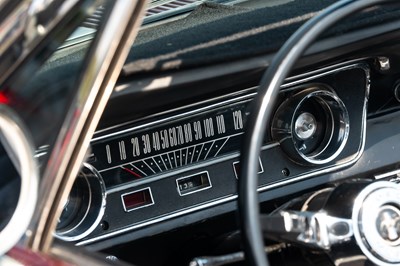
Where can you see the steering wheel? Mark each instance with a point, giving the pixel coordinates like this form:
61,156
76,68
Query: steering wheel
262,112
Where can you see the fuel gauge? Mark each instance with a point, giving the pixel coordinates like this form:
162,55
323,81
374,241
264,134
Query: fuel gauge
312,126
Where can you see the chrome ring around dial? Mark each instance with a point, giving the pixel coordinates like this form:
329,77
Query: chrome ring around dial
312,126
84,207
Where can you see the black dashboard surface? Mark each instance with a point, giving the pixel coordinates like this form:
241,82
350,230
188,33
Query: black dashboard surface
216,33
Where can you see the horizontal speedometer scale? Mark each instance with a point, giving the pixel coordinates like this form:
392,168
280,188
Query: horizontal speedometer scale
166,146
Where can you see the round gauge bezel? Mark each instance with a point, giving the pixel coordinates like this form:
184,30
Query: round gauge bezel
92,213
336,129
340,114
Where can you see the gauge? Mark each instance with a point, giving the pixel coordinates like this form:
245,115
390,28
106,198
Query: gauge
84,207
169,144
312,126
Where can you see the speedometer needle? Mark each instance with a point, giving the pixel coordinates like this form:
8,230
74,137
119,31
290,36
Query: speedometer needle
132,172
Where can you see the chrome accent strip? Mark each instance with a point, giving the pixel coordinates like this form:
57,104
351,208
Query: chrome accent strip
30,33
13,26
60,235
197,75
395,173
228,198
241,99
159,219
136,191
285,87
18,146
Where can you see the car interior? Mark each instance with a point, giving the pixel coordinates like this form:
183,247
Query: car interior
258,132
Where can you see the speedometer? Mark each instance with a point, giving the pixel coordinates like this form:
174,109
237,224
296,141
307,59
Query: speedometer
168,144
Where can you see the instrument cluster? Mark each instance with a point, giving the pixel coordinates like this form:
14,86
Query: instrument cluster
172,164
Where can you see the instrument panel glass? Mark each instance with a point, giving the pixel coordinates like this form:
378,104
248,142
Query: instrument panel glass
165,146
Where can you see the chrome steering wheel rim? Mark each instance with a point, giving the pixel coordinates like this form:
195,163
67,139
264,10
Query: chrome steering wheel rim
18,144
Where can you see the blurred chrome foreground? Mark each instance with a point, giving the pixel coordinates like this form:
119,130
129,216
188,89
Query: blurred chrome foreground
30,31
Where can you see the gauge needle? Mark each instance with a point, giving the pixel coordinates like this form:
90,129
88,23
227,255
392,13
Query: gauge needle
132,172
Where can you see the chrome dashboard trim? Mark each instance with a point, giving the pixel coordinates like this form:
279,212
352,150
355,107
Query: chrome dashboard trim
346,122
291,81
394,173
159,219
90,195
287,181
243,98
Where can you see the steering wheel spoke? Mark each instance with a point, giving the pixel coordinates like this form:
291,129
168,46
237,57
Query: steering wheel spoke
313,229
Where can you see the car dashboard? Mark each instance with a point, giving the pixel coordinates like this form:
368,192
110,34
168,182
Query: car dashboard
186,160
159,184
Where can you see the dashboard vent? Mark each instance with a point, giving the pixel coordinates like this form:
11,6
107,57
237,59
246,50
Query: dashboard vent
93,21
157,10
168,6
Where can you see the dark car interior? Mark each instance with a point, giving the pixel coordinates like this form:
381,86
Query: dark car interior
161,179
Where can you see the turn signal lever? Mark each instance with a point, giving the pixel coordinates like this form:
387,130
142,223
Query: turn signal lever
355,222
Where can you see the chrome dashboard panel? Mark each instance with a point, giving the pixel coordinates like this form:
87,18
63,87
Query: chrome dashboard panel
114,152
